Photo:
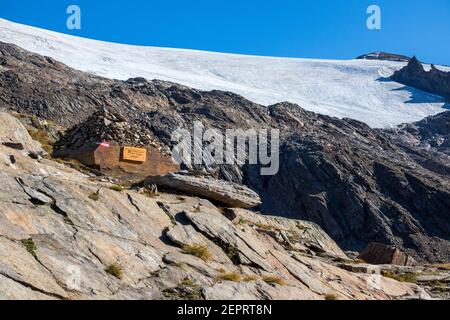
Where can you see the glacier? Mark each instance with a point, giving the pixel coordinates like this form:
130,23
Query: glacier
358,89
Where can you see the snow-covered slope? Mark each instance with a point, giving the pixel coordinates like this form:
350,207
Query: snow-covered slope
354,88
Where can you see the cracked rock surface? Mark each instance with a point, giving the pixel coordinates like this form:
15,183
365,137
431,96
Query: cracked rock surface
57,241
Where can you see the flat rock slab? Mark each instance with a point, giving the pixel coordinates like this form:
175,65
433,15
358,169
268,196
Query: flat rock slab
12,290
228,193
434,278
19,265
360,268
216,226
255,290
298,233
76,234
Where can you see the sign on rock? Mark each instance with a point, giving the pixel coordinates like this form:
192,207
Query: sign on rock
134,154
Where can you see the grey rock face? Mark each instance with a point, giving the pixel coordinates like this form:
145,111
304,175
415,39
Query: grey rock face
52,229
242,247
359,184
14,135
59,242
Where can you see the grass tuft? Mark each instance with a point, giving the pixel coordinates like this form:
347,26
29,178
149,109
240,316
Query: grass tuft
186,290
273,280
443,266
43,138
187,283
198,251
229,276
115,270
30,246
403,277
232,253
249,278
95,196
331,297
117,188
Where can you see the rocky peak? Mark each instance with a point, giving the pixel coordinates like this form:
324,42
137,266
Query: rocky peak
433,81
414,65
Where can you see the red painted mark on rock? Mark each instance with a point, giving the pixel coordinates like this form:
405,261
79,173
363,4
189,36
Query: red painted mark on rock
104,144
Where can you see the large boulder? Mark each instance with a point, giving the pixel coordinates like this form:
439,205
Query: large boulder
377,253
224,192
14,134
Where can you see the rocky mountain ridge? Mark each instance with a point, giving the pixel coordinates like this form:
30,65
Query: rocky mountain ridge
359,184
384,56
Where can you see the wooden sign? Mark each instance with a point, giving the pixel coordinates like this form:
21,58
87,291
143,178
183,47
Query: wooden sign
134,154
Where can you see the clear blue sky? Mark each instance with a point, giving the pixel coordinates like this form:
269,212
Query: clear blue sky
334,29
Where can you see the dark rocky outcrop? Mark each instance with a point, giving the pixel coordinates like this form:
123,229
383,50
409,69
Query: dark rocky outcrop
427,141
434,81
429,134
361,185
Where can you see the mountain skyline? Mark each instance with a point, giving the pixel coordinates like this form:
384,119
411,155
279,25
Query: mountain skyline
320,29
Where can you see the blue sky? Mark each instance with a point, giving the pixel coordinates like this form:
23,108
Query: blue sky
334,29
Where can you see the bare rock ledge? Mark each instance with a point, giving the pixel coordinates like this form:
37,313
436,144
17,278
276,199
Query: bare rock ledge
228,193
